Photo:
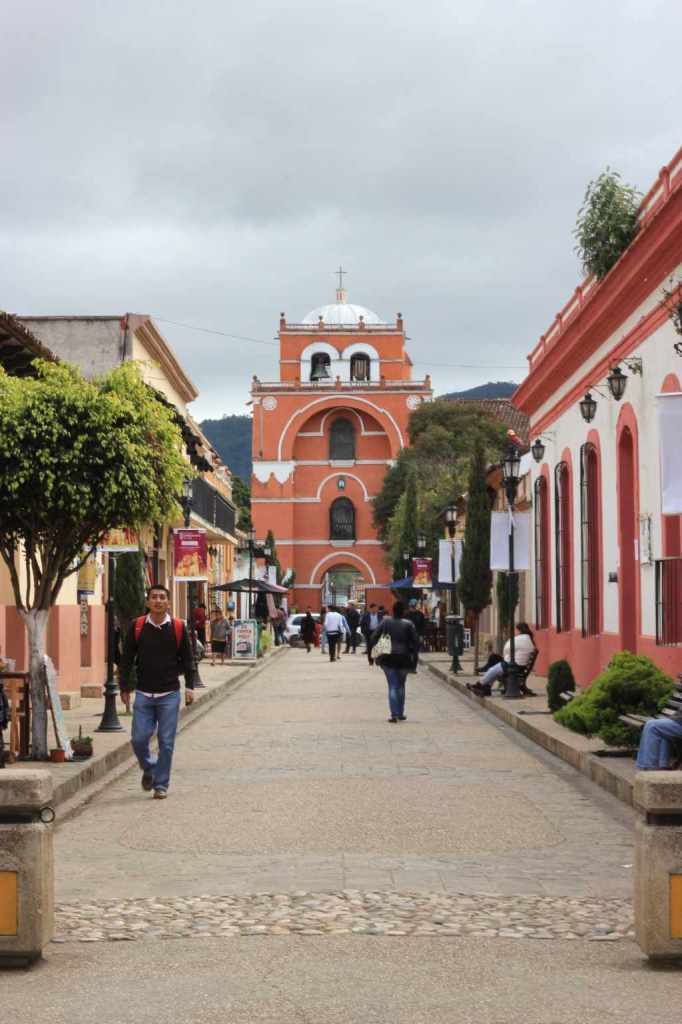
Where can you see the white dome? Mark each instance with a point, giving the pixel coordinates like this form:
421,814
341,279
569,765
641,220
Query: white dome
338,313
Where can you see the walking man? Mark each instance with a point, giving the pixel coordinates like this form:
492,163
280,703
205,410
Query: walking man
335,626
159,648
353,620
369,623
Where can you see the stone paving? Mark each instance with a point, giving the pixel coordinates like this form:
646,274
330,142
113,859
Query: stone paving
295,807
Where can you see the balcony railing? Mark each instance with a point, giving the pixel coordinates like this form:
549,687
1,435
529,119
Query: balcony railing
344,385
211,506
669,602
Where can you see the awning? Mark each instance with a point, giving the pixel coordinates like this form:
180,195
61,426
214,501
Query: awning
250,585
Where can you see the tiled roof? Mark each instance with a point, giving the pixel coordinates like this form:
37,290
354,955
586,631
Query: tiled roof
19,347
502,409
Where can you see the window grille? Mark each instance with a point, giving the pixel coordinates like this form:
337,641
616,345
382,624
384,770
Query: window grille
541,553
342,440
589,545
342,520
563,547
360,366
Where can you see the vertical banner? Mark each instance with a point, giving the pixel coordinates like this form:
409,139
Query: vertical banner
244,639
500,524
87,574
191,556
669,410
421,572
445,560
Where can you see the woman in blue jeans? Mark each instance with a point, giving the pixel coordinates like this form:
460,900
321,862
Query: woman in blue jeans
654,745
402,659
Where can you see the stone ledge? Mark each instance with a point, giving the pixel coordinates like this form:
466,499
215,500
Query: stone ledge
90,690
616,775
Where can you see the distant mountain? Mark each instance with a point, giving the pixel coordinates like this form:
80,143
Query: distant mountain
493,389
231,437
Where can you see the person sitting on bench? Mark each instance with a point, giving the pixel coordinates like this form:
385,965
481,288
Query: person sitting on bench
654,744
524,648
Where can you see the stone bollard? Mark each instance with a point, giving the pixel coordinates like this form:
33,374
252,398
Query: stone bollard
26,865
658,864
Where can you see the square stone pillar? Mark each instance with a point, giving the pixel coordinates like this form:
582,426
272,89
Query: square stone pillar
658,864
26,864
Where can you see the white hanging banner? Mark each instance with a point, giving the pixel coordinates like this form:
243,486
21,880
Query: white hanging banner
669,410
445,560
500,524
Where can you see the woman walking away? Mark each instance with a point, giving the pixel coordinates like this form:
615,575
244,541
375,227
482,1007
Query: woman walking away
400,635
524,647
219,628
308,630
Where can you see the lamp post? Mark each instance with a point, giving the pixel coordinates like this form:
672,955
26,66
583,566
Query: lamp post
186,502
511,466
406,562
110,721
252,541
453,625
421,542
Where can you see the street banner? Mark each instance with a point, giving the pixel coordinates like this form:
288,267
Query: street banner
244,639
421,572
669,410
120,540
190,556
445,560
87,574
500,525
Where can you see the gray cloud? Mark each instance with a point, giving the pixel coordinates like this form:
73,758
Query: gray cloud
214,162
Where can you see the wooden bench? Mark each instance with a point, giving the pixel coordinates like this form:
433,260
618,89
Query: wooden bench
524,672
673,707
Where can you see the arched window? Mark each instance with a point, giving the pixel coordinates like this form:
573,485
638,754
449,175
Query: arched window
342,520
360,366
319,366
342,440
541,510
562,540
589,540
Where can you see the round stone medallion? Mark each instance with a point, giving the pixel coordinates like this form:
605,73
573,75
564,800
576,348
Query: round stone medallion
269,403
412,401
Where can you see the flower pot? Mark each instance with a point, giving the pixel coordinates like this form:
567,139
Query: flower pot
57,756
82,750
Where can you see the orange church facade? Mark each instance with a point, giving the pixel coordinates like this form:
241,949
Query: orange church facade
323,437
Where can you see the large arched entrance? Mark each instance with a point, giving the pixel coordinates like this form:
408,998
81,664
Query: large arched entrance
341,584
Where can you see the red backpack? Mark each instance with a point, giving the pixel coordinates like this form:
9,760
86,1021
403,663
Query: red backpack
178,625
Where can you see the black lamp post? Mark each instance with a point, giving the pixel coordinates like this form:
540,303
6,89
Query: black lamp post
252,541
110,721
453,625
186,502
421,542
407,558
511,466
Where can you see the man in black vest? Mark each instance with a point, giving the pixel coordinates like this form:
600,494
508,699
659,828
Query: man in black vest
353,620
160,649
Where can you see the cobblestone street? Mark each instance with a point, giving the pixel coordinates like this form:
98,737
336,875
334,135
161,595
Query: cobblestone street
298,814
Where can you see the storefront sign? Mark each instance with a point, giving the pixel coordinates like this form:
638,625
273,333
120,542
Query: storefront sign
244,638
118,541
421,572
191,556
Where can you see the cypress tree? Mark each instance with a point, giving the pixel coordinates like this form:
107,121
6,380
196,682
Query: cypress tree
408,535
475,582
129,594
272,557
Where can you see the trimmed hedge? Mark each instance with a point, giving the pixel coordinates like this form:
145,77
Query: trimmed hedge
559,680
630,684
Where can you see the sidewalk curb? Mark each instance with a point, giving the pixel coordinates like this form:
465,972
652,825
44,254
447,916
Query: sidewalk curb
595,768
74,793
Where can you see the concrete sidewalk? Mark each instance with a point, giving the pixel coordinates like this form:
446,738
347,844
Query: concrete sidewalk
531,718
76,782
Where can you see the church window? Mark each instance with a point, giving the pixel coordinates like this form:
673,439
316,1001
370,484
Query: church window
342,440
319,366
360,366
342,520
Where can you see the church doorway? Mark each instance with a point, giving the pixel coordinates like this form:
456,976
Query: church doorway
342,584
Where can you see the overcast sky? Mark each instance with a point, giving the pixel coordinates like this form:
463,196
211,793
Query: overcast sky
213,162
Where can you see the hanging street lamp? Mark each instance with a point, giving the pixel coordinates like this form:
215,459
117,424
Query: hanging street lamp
588,407
537,450
511,468
617,382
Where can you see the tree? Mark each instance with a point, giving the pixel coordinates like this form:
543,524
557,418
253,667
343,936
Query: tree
77,458
272,557
241,495
475,581
129,593
606,222
507,592
410,523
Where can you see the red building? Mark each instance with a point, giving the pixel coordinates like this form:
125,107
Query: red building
323,436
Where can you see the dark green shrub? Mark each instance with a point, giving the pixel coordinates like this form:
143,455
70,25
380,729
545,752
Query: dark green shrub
607,222
630,684
559,680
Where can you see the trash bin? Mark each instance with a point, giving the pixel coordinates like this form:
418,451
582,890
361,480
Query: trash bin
26,865
658,864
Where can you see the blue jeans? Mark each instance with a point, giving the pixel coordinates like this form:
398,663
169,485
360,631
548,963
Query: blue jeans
395,677
654,743
492,675
160,714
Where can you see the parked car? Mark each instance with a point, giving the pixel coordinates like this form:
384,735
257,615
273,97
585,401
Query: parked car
292,630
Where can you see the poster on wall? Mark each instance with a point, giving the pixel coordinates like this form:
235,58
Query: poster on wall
421,572
120,540
191,556
244,639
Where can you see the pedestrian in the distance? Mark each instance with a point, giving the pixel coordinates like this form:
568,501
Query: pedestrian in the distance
402,658
160,649
200,623
308,630
219,628
353,620
416,616
323,631
335,626
369,623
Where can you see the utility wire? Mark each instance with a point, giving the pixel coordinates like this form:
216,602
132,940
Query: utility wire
261,341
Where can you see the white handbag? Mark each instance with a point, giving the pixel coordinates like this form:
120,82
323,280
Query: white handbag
383,646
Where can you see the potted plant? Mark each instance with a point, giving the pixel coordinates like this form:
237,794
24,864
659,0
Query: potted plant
81,745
